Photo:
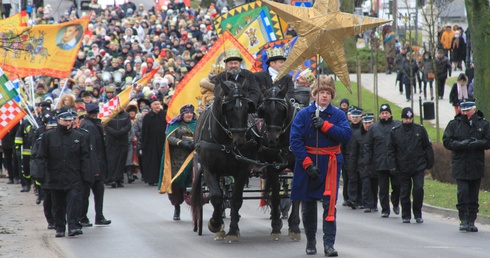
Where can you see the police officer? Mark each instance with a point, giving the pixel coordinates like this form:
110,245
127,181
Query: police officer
356,162
64,157
409,154
316,134
353,182
23,141
275,62
375,155
468,136
94,126
234,72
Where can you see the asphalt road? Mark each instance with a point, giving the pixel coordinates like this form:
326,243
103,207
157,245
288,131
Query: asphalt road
143,227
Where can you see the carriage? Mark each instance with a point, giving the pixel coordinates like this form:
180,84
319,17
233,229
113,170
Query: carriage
228,142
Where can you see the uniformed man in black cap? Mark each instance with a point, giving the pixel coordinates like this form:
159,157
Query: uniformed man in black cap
64,157
235,73
352,185
376,148
468,136
409,155
266,78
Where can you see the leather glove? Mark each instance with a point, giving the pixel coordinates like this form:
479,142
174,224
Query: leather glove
394,172
318,122
476,143
313,172
462,144
188,145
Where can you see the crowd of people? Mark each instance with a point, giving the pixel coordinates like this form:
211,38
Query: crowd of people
72,153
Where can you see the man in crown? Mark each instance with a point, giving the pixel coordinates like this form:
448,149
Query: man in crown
302,87
207,87
234,72
267,78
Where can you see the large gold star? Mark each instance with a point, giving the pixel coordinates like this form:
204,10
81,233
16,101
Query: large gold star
322,29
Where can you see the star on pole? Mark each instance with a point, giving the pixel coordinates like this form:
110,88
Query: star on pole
322,29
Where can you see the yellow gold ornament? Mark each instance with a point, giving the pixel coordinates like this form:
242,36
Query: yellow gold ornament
322,29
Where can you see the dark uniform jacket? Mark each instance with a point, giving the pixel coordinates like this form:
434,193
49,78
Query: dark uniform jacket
247,80
467,163
94,127
376,145
117,129
64,159
355,158
264,80
410,149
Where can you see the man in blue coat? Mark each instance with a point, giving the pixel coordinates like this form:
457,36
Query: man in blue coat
316,134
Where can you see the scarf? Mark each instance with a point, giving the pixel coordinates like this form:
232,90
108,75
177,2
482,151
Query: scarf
462,91
456,43
273,73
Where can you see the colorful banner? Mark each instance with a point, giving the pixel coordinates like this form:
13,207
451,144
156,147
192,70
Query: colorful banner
115,105
237,19
7,89
286,45
257,33
188,89
48,50
10,115
18,19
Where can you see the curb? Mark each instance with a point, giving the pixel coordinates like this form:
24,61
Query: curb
452,213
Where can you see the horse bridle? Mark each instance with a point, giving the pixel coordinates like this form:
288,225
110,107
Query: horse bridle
283,102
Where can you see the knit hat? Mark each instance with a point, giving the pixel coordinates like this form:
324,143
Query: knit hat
385,107
407,112
344,100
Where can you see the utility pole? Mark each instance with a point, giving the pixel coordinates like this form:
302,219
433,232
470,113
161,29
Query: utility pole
394,11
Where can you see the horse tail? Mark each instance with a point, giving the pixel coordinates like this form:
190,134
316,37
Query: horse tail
196,195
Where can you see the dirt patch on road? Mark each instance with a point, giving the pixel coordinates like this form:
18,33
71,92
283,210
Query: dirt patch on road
23,229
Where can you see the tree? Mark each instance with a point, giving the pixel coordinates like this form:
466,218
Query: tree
478,14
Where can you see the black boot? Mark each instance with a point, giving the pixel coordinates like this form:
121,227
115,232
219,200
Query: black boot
129,174
177,212
311,247
463,218
471,222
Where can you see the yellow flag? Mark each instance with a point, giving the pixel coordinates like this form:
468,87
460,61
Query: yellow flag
188,89
18,19
48,50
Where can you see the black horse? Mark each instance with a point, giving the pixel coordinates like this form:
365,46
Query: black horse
222,137
278,113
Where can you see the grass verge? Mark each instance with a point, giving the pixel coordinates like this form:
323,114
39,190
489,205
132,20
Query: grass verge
445,195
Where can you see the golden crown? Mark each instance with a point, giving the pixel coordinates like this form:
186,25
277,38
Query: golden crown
308,74
275,52
233,54
217,69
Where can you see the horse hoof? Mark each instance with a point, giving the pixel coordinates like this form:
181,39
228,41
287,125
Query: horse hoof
231,238
275,236
294,236
218,236
215,229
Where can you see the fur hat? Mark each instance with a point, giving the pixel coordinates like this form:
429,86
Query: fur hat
324,83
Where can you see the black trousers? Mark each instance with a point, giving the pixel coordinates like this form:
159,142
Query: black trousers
370,192
11,164
66,205
441,86
384,178
468,191
408,91
355,188
116,162
310,220
98,190
345,184
26,171
413,184
47,205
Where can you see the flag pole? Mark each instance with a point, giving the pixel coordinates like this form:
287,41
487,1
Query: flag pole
29,117
32,95
61,91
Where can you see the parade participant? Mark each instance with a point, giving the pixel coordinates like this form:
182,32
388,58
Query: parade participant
302,88
64,157
467,136
409,155
234,72
10,156
99,168
267,78
153,140
344,105
316,134
356,162
137,127
132,159
353,186
24,139
207,88
117,131
178,153
375,157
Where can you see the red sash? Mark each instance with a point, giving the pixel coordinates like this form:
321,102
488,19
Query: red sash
331,177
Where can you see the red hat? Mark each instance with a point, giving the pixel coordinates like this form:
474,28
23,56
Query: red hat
163,53
149,60
102,52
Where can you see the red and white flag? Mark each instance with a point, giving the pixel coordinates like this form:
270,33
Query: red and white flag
10,115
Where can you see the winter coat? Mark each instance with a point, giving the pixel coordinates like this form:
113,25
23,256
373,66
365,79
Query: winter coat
458,53
64,159
468,163
94,126
410,149
409,71
443,66
453,95
376,145
117,129
247,79
304,134
152,143
426,68
264,80
355,159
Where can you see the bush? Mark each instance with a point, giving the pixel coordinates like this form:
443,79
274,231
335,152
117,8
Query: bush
442,167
